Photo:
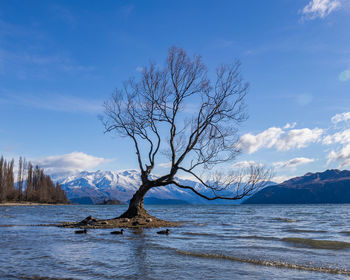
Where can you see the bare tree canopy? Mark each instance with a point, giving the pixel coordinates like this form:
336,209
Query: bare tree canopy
177,112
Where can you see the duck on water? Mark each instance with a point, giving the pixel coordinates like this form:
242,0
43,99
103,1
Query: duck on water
80,231
118,232
167,231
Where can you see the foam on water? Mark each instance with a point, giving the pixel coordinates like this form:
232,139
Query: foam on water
267,263
296,230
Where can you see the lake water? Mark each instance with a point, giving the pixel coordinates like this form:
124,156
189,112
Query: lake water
215,242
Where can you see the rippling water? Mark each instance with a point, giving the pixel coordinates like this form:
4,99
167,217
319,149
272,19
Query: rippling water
215,242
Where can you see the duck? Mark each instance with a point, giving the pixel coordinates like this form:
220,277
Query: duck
167,231
118,232
81,231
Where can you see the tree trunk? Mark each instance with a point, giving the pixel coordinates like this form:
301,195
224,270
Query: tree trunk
136,203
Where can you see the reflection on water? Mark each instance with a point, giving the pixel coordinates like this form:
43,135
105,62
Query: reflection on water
214,242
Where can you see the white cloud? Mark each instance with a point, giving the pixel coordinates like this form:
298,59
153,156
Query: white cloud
342,137
342,156
70,163
290,125
320,8
344,76
266,139
244,164
298,138
293,162
341,117
280,139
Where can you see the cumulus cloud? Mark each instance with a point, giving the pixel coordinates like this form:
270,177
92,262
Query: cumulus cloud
281,140
320,8
344,76
341,117
342,137
266,139
298,138
70,163
342,156
293,162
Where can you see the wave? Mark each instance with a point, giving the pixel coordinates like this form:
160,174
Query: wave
208,234
285,220
277,264
200,234
318,244
346,232
295,230
36,277
256,237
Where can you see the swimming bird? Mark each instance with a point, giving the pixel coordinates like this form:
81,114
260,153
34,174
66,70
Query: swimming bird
81,231
118,232
167,231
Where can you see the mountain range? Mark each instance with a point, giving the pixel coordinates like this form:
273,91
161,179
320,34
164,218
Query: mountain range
330,186
98,186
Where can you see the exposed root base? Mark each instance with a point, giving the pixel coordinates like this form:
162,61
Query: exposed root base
139,221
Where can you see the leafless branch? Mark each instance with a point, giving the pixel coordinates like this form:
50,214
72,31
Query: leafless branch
153,112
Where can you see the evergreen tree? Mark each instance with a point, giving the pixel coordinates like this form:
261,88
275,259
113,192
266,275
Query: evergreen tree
32,184
2,181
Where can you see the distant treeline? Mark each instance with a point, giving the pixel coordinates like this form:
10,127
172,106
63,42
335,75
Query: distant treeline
31,185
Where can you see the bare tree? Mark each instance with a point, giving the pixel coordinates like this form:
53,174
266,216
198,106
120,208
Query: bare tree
196,140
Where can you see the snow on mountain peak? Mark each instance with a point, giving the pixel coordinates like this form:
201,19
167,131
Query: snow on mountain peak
121,185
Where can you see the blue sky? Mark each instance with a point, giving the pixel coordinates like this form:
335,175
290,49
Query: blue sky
59,60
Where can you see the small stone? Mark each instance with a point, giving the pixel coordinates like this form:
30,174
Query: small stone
104,223
148,220
135,223
86,220
126,220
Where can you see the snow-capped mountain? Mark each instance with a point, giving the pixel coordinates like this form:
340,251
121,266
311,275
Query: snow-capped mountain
121,185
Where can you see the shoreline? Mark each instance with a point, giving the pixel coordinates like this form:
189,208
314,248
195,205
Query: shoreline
28,203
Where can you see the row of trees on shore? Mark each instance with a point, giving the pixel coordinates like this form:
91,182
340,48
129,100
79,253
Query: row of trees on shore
32,184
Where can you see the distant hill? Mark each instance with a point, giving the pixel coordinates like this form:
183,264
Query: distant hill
110,202
82,200
330,186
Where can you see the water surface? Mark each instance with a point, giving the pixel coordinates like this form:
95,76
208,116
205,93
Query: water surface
215,242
